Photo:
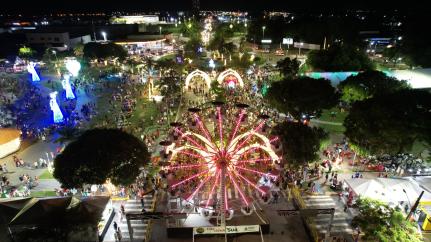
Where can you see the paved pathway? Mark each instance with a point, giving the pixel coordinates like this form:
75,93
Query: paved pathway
140,227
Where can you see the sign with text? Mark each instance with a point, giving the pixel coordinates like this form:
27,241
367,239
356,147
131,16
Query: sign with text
229,229
287,41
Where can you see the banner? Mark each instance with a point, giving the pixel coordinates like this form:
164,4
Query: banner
229,229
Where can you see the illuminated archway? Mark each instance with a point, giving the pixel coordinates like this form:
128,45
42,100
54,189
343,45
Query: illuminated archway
230,72
200,73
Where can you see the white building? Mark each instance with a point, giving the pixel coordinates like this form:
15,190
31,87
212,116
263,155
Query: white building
61,40
137,19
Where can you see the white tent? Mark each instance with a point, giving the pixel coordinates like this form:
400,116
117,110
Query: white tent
368,188
388,189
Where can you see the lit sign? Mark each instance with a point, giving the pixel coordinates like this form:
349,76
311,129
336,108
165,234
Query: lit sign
266,41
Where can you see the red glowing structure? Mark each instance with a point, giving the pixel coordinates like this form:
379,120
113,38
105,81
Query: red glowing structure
209,159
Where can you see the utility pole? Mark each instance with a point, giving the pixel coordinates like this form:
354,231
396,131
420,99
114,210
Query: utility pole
324,43
412,210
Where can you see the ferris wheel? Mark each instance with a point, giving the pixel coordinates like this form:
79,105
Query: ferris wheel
222,160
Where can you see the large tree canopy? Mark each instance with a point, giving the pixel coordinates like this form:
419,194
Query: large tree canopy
300,142
288,67
339,58
368,84
379,222
100,154
104,50
391,123
303,95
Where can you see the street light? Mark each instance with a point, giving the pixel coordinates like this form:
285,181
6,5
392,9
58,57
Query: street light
104,35
300,45
230,26
160,30
263,31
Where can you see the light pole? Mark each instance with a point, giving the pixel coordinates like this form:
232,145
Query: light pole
160,30
300,45
263,31
104,35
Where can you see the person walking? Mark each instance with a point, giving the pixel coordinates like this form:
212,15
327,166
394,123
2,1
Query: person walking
115,226
122,211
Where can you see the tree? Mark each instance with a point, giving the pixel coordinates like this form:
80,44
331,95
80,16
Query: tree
104,50
170,83
379,222
26,52
300,142
368,84
100,154
303,95
390,123
78,50
339,57
288,67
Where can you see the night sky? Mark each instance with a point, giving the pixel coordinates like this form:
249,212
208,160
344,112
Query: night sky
36,6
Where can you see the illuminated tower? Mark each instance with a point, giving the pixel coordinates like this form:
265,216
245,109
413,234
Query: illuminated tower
30,68
66,86
56,112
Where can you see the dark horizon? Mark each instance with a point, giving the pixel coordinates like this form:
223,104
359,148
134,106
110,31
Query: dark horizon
52,6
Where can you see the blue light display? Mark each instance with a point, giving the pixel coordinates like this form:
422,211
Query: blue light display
30,68
56,112
67,87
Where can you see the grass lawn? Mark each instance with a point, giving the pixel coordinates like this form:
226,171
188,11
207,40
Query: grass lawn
332,128
339,116
144,110
47,193
46,175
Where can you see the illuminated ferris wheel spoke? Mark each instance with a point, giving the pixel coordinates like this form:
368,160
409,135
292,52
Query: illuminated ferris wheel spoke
220,127
238,123
252,160
238,189
213,188
249,136
202,127
198,188
254,171
251,183
189,178
185,166
187,136
273,140
191,154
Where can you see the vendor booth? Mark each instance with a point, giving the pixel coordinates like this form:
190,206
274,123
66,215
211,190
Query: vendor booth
10,141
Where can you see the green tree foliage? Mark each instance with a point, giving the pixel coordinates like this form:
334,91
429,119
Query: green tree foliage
288,67
78,50
170,83
26,52
379,222
300,143
100,154
368,84
104,50
339,57
303,95
390,123
191,47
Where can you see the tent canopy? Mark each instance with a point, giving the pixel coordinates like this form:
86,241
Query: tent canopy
388,189
53,211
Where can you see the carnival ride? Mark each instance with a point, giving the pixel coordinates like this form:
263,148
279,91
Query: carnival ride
207,160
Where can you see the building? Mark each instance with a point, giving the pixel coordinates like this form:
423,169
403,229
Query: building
61,40
10,141
136,19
